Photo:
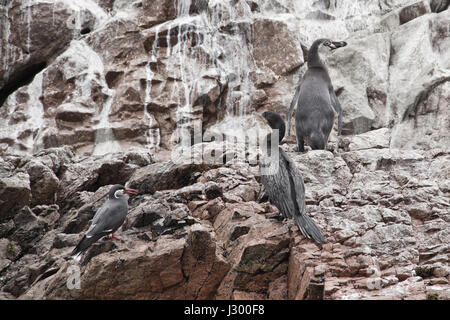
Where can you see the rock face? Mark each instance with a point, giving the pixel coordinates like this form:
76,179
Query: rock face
37,31
181,65
108,91
161,72
384,214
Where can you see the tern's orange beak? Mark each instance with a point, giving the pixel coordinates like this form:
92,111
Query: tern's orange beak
130,191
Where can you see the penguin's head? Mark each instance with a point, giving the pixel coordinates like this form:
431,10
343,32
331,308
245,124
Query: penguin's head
118,191
320,49
333,45
326,45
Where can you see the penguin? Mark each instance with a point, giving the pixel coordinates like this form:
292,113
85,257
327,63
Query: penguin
284,186
107,219
315,99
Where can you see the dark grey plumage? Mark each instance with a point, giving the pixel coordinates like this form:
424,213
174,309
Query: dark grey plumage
315,100
285,186
107,219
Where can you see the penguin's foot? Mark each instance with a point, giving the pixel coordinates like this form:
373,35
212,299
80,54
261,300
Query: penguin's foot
300,149
113,236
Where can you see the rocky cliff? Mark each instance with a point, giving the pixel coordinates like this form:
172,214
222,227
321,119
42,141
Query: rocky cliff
102,92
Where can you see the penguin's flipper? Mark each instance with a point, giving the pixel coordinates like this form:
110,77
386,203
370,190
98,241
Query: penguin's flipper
292,106
337,106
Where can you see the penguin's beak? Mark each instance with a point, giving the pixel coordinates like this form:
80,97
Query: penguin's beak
337,44
130,191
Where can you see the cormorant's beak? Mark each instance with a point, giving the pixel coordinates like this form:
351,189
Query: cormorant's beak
130,191
258,114
337,44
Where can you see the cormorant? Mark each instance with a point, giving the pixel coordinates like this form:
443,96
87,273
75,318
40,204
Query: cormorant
284,185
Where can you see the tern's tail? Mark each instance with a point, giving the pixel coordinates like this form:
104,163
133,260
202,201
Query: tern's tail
81,247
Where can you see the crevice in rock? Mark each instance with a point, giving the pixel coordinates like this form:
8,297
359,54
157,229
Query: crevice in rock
21,79
413,110
439,5
205,281
47,272
85,31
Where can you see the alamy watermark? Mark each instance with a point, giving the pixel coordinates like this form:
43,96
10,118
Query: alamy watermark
226,147
73,277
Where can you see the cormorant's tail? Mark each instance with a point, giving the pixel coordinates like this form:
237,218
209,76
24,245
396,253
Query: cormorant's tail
291,108
308,228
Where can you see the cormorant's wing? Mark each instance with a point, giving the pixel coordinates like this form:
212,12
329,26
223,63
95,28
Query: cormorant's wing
337,106
295,181
293,104
277,187
286,191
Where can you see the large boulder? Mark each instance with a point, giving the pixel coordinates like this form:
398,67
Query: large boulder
418,84
165,175
89,174
15,193
9,251
274,46
190,266
43,183
359,73
258,261
37,31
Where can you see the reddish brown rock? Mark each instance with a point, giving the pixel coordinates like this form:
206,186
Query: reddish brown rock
413,11
15,193
186,268
125,78
156,12
274,46
40,176
278,289
38,31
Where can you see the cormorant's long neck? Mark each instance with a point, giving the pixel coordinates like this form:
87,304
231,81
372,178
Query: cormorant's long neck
281,132
268,141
